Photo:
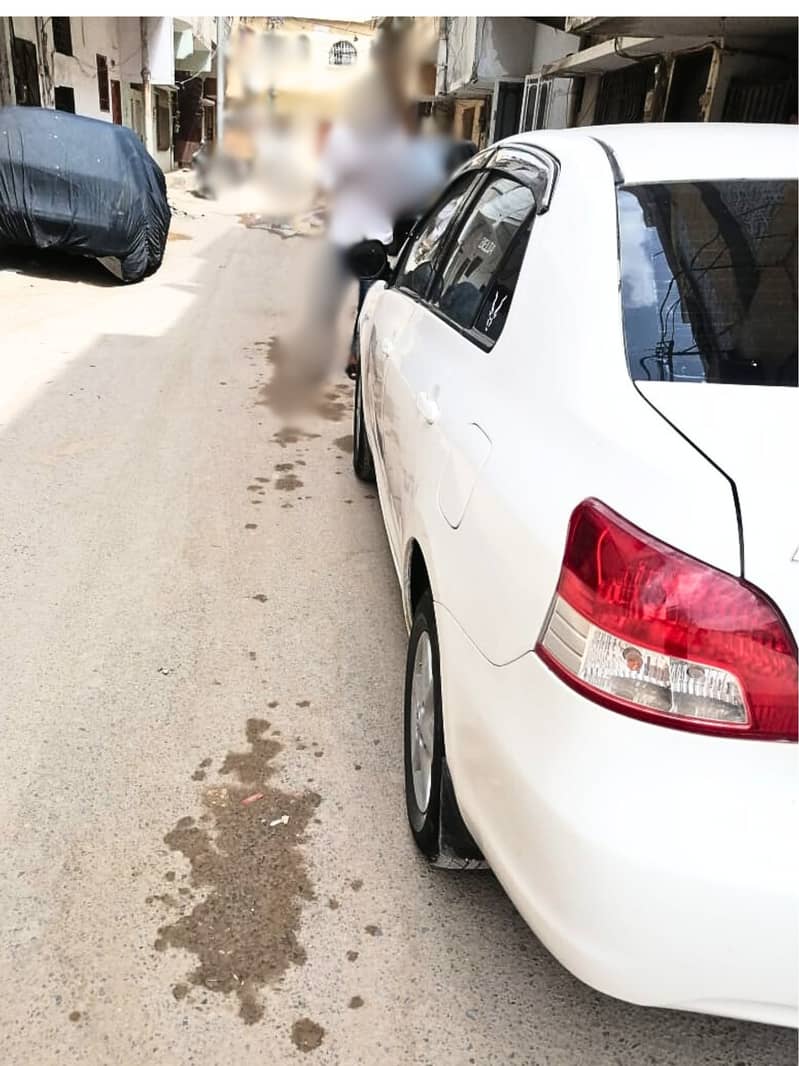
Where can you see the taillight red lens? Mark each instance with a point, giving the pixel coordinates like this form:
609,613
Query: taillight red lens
648,631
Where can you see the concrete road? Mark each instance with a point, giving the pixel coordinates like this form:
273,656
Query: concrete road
204,854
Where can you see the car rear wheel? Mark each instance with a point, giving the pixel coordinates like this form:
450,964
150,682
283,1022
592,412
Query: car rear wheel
362,462
433,814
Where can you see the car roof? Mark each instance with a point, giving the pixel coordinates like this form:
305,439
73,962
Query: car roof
685,151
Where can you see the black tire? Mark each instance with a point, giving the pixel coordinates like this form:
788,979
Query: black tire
438,828
362,461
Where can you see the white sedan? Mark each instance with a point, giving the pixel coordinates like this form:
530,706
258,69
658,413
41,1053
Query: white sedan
577,395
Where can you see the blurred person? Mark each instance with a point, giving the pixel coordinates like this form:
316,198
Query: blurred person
372,168
373,171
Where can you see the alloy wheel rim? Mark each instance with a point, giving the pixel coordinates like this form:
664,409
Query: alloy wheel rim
422,721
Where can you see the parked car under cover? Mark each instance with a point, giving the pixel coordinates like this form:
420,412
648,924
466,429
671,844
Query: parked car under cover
81,186
577,394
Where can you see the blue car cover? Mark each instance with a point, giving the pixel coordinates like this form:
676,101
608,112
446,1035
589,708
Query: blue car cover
82,186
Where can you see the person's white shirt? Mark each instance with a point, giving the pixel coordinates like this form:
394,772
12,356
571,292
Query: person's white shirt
374,174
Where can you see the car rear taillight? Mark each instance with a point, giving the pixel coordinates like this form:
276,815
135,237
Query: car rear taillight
645,630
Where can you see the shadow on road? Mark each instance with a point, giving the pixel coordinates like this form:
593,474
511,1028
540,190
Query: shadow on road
57,266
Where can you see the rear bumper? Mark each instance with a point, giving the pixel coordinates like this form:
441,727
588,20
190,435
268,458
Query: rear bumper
658,866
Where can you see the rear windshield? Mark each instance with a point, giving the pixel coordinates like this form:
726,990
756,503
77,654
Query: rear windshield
708,273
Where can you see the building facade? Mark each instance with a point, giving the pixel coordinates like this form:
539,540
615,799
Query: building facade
500,76
123,70
488,73
662,69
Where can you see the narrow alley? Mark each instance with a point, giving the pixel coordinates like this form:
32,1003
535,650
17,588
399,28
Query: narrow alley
203,652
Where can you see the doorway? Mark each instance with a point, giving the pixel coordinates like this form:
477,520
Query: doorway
116,103
507,108
26,73
689,77
137,113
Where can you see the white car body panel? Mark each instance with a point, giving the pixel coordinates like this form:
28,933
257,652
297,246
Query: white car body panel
469,448
655,864
385,325
753,435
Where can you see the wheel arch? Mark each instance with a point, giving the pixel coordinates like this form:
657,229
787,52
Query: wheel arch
417,577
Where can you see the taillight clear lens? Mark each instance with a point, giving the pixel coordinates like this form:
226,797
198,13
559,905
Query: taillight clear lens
644,629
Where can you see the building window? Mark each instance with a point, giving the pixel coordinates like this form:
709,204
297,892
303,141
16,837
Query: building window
62,36
622,94
65,98
767,100
342,54
103,90
26,73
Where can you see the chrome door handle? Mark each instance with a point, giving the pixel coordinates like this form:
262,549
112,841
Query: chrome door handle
428,408
387,347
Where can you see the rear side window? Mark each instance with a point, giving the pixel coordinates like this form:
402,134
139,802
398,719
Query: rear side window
477,258
708,275
496,302
416,269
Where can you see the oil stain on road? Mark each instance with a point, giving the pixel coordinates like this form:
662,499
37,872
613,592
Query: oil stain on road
245,853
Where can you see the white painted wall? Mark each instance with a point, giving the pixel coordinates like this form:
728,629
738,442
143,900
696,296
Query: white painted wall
161,44
130,48
119,40
294,61
24,27
480,50
504,47
550,44
162,51
457,54
90,36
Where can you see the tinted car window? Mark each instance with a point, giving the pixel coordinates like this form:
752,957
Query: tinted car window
494,309
485,236
709,281
416,268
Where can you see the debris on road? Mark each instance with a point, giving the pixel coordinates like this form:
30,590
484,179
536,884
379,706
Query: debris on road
182,213
252,799
284,820
216,797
